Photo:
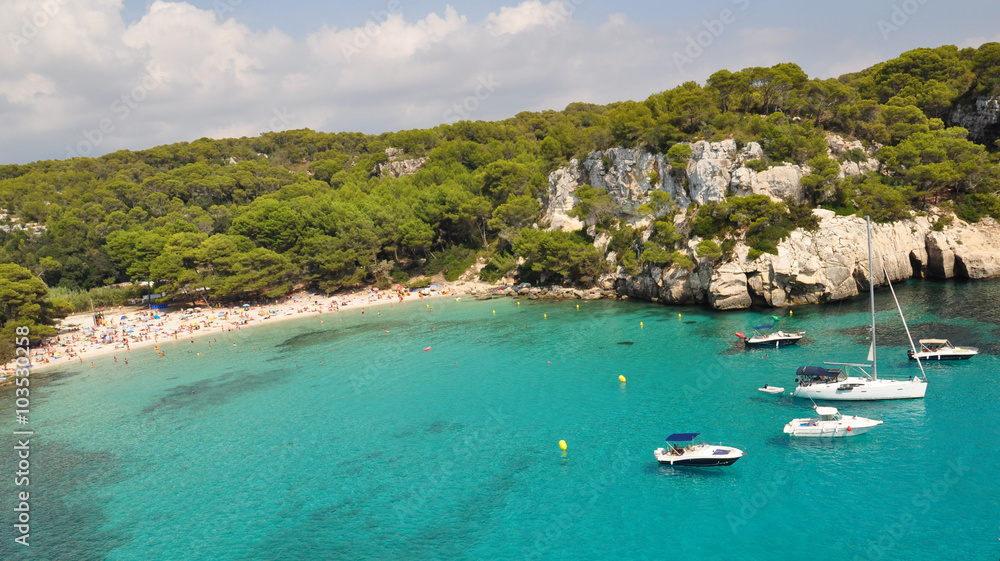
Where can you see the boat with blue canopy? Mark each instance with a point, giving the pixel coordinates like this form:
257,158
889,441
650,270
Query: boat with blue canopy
681,450
763,337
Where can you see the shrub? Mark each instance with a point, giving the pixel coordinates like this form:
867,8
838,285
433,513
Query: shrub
855,155
452,262
400,276
708,248
941,223
757,165
679,154
973,207
419,282
498,267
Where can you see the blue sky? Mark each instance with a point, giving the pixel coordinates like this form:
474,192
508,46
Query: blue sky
87,77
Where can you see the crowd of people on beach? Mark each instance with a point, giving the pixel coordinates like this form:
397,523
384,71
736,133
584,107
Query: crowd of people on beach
116,330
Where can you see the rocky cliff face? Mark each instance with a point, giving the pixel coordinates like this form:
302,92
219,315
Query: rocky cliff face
826,265
982,120
811,267
714,171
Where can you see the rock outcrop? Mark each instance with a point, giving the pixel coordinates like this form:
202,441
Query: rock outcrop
714,171
822,266
965,251
982,120
827,265
397,166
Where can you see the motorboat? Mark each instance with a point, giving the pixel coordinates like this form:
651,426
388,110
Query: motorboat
776,339
830,423
682,451
941,349
771,389
857,383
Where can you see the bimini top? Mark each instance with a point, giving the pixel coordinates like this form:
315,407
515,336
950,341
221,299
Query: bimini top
817,371
823,411
933,341
682,436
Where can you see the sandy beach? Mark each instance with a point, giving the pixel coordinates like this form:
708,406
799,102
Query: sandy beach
125,329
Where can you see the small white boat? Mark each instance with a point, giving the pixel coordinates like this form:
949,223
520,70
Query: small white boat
830,423
681,451
771,389
941,349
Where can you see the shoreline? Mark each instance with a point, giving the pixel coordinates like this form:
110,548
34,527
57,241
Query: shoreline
143,328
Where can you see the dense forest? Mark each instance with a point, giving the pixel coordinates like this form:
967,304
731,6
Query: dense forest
257,217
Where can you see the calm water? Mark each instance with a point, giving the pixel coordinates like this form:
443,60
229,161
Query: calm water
338,440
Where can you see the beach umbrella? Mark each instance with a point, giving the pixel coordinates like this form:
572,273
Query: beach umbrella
248,305
123,317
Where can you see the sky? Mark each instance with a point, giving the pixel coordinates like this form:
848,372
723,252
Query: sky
89,77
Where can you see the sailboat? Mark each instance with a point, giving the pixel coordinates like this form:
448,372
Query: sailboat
852,381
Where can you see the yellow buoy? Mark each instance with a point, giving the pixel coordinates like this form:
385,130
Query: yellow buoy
494,312
518,302
640,324
577,306
789,312
546,316
678,316
621,378
562,444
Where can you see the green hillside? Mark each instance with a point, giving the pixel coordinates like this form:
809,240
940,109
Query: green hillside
257,217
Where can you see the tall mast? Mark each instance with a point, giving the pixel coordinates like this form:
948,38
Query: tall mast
871,292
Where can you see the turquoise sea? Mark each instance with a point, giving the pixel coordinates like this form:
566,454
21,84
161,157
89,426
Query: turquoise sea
336,439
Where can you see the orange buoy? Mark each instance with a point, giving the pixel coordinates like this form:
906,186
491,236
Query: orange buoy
427,349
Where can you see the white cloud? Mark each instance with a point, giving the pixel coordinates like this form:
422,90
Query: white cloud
975,42
527,15
180,72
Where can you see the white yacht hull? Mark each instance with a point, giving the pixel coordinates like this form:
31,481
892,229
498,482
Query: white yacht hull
956,353
863,389
830,429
